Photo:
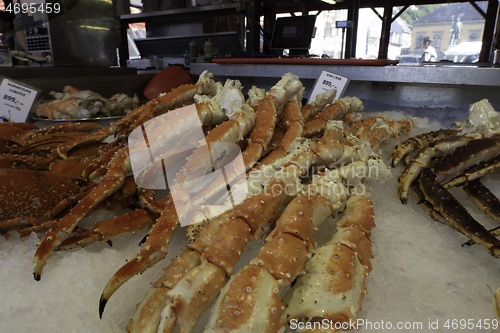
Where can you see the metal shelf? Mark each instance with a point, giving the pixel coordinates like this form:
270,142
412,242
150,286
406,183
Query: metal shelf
186,13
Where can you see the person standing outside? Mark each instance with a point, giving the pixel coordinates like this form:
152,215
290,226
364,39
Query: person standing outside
429,54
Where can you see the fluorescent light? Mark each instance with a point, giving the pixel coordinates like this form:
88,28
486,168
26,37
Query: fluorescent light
331,2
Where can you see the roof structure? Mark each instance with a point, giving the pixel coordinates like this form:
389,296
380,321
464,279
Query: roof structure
463,10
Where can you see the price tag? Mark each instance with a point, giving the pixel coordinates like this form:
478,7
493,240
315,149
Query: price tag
16,99
327,81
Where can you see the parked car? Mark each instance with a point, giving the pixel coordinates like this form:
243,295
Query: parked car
408,60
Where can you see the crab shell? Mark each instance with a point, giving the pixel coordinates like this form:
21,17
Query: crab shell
32,193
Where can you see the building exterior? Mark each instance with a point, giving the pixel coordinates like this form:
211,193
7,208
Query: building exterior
440,23
400,40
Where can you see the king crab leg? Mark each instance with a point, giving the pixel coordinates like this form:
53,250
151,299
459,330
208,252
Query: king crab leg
486,201
418,142
111,182
155,247
113,228
333,286
220,257
337,110
423,160
455,213
251,297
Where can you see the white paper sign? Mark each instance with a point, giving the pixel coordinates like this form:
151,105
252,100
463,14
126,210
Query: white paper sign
327,81
16,99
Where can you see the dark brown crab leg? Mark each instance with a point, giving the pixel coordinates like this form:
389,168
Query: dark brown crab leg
482,197
475,172
464,157
418,142
486,201
495,232
444,203
422,159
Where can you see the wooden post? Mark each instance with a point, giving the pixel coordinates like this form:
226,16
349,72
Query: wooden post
351,38
489,31
386,32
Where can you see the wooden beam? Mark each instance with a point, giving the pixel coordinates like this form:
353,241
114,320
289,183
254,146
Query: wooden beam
351,35
399,13
479,10
385,35
377,13
489,31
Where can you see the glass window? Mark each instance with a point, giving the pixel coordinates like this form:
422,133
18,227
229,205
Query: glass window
451,27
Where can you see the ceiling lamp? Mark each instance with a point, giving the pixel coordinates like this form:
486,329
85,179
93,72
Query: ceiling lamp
331,2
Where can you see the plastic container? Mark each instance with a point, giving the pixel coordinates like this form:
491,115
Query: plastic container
193,49
209,49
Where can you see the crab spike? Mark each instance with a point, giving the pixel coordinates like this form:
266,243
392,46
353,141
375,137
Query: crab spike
144,260
153,250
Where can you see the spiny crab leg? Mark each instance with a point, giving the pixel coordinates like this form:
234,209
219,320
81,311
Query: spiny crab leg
464,157
455,213
482,197
155,247
418,142
113,228
251,297
334,284
337,110
423,160
295,125
321,101
221,257
113,179
475,172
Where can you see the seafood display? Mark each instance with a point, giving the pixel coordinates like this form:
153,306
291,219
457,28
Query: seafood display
73,103
254,259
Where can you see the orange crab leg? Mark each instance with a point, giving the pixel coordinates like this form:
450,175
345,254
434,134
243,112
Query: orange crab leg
337,110
110,183
113,228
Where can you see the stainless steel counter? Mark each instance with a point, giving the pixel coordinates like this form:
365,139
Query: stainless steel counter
385,87
400,74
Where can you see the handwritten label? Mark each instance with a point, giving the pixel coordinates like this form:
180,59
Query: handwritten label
16,99
327,81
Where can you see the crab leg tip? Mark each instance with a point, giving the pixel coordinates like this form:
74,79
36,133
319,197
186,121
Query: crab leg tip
102,305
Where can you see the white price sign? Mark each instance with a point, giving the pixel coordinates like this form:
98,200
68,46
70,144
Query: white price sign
328,81
16,99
